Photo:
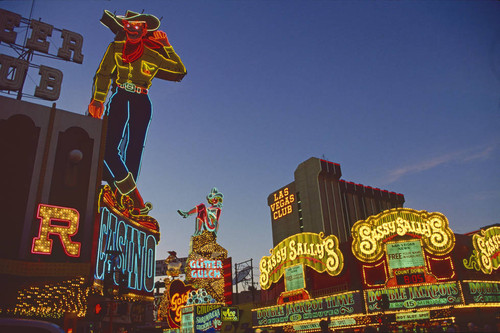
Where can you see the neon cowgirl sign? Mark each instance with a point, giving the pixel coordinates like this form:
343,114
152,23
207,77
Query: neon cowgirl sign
136,245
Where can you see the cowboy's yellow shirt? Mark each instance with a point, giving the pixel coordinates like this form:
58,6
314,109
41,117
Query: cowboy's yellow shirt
139,72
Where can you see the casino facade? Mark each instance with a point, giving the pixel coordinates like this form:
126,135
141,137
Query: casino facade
392,268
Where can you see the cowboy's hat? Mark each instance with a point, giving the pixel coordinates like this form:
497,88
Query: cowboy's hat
115,22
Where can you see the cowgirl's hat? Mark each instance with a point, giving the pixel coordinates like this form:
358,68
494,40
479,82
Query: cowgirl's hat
115,22
215,197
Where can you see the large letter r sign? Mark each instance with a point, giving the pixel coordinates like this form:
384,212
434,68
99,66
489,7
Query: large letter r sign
70,218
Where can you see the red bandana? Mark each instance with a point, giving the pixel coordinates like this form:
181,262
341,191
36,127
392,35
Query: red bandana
133,51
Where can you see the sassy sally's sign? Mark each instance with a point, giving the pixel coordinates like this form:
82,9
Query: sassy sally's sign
486,254
371,234
314,250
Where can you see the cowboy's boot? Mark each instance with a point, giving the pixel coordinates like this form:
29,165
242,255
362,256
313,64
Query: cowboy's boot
128,187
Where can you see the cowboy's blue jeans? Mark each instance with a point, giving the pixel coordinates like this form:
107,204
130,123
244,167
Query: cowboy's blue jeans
129,115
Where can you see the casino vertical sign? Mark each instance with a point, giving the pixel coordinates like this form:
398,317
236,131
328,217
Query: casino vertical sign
136,247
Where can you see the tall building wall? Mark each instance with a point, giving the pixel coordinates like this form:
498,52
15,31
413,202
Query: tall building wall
49,157
319,201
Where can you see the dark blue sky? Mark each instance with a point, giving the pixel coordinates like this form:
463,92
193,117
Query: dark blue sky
405,95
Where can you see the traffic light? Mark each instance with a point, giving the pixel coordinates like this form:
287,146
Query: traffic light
96,308
101,309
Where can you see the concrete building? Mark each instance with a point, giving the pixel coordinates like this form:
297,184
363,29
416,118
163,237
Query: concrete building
319,201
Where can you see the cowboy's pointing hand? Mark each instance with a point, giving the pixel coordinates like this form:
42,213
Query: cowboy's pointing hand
161,37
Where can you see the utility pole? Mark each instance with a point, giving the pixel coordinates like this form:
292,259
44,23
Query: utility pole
241,272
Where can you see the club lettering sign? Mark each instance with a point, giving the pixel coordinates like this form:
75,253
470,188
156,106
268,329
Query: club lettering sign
137,246
334,305
481,292
371,234
13,70
422,296
314,250
282,203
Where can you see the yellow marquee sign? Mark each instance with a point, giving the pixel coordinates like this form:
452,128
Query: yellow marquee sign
371,234
313,250
486,253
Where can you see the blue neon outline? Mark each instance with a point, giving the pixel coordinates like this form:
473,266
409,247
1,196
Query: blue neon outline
150,269
125,133
109,169
145,137
101,256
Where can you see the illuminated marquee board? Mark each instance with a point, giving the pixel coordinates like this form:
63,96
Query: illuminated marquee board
487,292
405,254
314,250
333,324
486,253
414,297
294,278
202,318
282,203
335,305
413,316
67,216
187,319
137,245
230,314
371,234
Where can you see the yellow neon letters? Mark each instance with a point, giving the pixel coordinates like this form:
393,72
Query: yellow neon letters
282,203
43,244
313,250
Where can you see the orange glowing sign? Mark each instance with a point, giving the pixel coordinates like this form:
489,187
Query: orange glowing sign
178,295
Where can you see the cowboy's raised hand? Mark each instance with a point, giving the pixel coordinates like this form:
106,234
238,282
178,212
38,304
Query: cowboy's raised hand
161,36
96,109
